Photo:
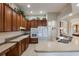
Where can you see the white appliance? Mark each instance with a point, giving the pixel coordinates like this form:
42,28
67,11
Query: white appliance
33,33
42,33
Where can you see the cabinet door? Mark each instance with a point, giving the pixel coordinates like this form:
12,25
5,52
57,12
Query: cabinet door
13,51
8,18
1,19
28,25
44,22
23,22
14,22
18,21
32,23
36,24
39,22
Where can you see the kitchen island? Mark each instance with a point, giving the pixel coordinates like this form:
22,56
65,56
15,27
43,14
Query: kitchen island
56,48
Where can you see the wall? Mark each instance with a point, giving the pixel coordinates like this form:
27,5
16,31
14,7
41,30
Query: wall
75,9
63,16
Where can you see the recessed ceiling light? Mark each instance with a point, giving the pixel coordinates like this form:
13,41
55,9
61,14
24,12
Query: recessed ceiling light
31,12
41,12
28,5
77,4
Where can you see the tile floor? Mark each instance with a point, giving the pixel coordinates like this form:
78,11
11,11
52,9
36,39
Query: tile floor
30,51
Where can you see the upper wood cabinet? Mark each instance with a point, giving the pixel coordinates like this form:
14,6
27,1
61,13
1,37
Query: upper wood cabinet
34,23
8,18
28,25
18,21
1,17
44,22
39,22
14,21
23,22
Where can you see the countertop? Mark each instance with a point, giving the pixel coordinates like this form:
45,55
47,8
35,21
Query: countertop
19,38
5,35
54,46
6,46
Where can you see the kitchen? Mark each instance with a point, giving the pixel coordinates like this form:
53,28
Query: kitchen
48,31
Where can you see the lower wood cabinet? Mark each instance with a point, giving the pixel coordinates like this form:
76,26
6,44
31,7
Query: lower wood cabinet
13,51
19,48
33,40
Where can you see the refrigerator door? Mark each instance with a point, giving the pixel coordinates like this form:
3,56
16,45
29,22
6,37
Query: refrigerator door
42,33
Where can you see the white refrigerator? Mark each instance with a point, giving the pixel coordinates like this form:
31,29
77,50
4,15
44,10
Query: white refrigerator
42,33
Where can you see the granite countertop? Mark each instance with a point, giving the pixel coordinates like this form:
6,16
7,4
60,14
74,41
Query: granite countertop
9,35
19,38
5,35
54,46
6,46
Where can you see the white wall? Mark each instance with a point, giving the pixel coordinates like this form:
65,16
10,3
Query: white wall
66,10
75,9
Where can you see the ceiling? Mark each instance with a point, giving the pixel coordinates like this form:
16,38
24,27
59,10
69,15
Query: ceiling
45,7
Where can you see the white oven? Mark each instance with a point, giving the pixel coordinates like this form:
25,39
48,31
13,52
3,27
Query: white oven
33,33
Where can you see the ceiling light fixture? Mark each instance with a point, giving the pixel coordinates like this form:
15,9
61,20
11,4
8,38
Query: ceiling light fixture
28,6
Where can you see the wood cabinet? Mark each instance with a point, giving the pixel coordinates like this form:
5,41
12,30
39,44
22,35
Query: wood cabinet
33,40
18,21
1,17
13,51
44,22
8,18
39,22
19,48
23,22
14,21
34,23
28,25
